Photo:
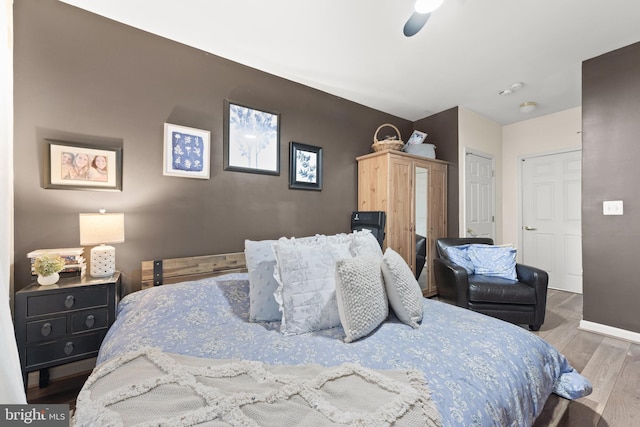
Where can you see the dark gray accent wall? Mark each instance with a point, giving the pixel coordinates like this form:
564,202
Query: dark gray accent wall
442,129
82,78
610,157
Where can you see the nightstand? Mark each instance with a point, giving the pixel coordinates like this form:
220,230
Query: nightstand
63,323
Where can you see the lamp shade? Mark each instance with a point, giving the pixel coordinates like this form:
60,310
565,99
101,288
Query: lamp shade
100,228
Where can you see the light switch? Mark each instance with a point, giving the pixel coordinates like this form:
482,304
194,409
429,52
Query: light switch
612,207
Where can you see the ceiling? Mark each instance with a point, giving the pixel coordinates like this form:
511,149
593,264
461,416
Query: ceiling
467,52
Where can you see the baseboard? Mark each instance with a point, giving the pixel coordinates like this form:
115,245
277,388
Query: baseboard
610,331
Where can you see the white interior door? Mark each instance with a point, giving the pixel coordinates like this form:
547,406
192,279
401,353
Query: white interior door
551,217
479,196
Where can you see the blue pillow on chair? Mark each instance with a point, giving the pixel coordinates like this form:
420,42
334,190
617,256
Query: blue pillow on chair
492,260
458,255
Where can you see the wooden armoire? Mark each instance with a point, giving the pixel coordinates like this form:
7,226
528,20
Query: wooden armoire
412,190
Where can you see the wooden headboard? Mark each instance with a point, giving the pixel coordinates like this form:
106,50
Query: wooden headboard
173,270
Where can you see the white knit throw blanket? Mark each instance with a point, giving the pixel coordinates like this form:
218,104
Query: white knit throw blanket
148,387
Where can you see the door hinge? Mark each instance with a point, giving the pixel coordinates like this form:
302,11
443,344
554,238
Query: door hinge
493,218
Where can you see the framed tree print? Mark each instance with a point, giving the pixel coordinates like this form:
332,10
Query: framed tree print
251,139
305,166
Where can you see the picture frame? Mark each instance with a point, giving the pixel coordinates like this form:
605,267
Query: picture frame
305,166
251,139
416,137
187,152
78,166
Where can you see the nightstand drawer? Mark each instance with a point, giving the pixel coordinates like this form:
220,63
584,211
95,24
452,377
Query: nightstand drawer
46,329
75,299
64,349
88,320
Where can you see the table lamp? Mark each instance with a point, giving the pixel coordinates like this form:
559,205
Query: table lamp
100,229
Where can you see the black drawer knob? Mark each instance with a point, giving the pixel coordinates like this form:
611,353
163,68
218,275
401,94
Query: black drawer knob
46,329
69,301
68,348
91,320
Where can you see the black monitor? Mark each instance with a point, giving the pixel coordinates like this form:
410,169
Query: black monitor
369,220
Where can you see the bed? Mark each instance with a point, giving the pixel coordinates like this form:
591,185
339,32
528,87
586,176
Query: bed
457,367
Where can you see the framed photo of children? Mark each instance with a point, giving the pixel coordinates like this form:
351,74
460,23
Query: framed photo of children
75,166
186,151
305,166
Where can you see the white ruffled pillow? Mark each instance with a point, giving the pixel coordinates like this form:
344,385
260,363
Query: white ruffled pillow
364,243
403,290
261,261
361,242
362,300
306,279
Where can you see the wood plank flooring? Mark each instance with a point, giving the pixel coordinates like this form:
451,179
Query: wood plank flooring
612,366
63,390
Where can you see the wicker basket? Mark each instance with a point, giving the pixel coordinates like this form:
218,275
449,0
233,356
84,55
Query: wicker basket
393,143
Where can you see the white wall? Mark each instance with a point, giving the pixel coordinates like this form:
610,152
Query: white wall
547,134
12,390
480,135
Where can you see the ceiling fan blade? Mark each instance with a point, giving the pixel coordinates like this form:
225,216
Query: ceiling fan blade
415,23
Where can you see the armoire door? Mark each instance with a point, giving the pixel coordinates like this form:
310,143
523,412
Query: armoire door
437,209
421,223
400,215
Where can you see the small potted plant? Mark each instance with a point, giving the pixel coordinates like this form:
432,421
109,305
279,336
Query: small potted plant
48,266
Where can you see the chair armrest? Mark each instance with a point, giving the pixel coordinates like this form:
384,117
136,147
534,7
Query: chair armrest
538,279
532,276
452,282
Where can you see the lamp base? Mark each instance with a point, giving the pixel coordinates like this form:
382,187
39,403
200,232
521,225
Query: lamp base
103,261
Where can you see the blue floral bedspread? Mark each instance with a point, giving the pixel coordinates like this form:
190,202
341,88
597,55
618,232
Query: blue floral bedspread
481,371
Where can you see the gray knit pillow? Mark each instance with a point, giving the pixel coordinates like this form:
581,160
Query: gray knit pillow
362,300
405,295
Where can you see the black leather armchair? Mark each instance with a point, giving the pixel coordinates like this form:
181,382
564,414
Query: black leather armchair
523,302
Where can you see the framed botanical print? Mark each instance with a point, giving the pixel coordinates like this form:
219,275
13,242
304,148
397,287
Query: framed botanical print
251,139
186,151
305,166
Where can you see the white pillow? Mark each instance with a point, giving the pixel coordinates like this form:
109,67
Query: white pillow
403,290
308,240
361,242
362,300
306,289
260,261
364,243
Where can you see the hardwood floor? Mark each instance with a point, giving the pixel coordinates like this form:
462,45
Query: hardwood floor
64,390
612,366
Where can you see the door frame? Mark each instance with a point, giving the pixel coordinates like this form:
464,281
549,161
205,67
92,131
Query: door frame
463,202
521,182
